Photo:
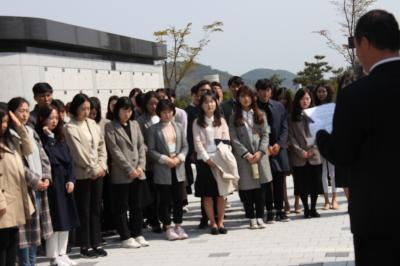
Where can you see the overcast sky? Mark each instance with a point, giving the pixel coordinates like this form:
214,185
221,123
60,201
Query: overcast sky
257,34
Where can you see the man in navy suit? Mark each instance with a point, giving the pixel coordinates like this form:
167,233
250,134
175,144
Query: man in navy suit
278,135
365,140
228,106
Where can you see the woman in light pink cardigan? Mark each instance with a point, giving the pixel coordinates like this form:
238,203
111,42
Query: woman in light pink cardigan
208,130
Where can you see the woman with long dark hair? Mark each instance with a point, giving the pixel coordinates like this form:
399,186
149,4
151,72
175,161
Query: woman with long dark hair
324,95
110,106
248,130
285,97
15,204
62,203
146,120
304,155
208,130
38,178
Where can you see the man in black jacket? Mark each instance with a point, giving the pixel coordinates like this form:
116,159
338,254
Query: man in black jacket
364,139
228,106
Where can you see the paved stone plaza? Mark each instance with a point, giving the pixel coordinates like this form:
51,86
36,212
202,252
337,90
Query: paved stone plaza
319,241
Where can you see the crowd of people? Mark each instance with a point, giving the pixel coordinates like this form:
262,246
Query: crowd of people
67,172
70,176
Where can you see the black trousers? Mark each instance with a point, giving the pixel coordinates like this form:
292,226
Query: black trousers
124,202
168,194
254,199
151,211
376,250
107,213
88,195
8,246
274,192
189,174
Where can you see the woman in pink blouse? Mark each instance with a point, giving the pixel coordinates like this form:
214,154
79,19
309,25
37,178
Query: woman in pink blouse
208,130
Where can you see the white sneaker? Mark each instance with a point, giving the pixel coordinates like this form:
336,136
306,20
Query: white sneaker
186,209
58,262
142,241
181,233
260,223
130,243
171,235
67,260
227,204
253,224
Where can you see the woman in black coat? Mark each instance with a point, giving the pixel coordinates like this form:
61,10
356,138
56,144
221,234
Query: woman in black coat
62,205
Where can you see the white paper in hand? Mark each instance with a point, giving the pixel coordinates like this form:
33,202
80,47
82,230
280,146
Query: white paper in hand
322,116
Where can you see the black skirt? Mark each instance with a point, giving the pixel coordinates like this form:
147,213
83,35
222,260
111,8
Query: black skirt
205,184
308,179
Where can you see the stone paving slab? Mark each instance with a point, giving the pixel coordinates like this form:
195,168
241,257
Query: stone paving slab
319,241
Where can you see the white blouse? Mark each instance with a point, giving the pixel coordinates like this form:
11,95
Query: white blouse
248,119
211,148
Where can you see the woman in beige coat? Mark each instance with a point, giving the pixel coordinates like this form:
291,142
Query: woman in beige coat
88,151
15,204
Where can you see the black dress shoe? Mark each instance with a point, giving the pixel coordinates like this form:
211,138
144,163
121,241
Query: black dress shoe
270,218
214,231
314,214
100,252
222,230
88,253
282,217
307,214
203,224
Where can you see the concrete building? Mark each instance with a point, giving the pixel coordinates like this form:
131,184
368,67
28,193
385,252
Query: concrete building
74,59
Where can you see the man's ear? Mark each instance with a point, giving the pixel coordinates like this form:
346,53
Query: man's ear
366,43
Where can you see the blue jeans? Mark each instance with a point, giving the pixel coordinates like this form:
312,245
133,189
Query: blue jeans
27,256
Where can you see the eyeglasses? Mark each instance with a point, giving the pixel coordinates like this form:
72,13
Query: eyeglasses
351,43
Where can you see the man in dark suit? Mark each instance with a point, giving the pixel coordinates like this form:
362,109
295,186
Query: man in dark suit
227,107
364,139
278,135
43,95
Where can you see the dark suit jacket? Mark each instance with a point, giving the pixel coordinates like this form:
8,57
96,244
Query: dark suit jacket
64,214
364,139
228,108
192,113
279,127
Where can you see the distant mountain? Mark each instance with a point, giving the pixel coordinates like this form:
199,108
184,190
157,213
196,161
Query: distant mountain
198,72
253,75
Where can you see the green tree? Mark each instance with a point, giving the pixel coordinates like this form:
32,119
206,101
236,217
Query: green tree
313,72
181,55
276,80
350,11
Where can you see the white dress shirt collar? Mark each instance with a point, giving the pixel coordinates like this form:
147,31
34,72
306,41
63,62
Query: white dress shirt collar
384,61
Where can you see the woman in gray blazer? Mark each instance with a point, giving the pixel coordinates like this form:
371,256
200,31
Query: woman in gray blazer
249,137
167,148
304,156
127,151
